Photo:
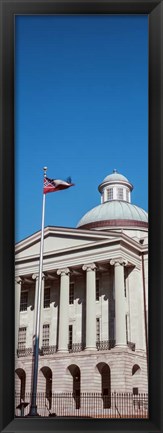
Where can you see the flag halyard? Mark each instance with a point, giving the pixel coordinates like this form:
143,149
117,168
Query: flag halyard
54,185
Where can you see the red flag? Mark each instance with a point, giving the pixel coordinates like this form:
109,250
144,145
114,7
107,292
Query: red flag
53,185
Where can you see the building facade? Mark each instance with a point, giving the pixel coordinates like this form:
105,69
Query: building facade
93,335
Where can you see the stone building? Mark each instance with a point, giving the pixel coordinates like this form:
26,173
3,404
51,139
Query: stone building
94,311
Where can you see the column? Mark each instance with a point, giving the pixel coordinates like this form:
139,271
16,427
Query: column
18,284
120,307
90,306
42,309
63,309
136,309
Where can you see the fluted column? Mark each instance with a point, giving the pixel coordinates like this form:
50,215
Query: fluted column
63,309
90,306
18,283
120,307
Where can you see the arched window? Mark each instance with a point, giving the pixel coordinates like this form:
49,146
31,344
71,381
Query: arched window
46,384
136,369
136,383
104,370
75,373
21,377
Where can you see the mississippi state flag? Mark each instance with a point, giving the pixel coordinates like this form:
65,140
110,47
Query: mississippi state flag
53,185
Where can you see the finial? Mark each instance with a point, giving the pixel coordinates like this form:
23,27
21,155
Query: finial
115,170
45,169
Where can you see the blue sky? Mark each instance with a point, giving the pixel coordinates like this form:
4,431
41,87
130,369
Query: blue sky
81,109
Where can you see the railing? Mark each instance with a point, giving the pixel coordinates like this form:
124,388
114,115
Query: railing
75,347
90,405
24,352
48,350
105,345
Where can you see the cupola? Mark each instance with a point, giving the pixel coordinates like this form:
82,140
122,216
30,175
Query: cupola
115,186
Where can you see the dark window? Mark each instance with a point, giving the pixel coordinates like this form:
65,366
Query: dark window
45,335
97,329
70,336
125,281
71,293
135,391
97,290
136,400
47,297
106,386
135,369
22,338
24,300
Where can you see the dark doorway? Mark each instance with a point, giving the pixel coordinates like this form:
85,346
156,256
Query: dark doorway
75,372
104,370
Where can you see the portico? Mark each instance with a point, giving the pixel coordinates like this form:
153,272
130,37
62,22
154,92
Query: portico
113,301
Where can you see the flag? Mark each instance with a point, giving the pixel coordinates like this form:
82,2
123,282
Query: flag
53,185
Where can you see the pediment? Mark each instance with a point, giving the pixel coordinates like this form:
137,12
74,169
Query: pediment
58,238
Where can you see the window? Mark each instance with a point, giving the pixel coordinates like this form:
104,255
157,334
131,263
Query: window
119,193
127,195
125,281
97,329
110,194
24,300
22,337
97,290
47,297
45,335
71,293
70,337
136,400
126,319
125,287
135,369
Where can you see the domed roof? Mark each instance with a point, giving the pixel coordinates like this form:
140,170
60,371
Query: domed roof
115,177
115,209
115,213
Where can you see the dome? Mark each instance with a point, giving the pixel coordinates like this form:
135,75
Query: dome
115,177
116,209
114,213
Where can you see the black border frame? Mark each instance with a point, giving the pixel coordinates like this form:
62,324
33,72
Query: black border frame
154,10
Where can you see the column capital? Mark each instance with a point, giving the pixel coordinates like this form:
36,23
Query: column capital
18,280
36,276
118,262
64,271
89,267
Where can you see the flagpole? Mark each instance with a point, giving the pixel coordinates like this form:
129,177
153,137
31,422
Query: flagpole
33,406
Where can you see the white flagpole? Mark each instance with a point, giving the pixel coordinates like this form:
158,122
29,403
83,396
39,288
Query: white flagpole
33,406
